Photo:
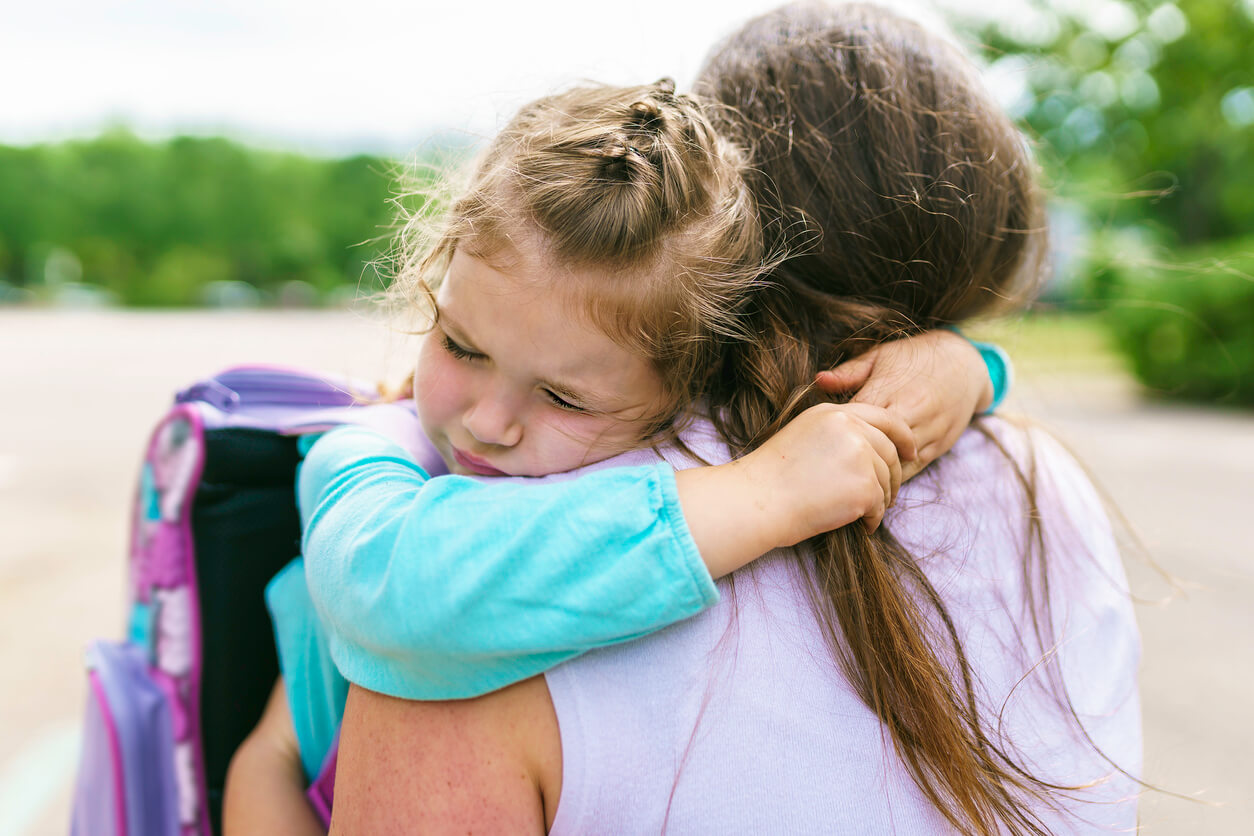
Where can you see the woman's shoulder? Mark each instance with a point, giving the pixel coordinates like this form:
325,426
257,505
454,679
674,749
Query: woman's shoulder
1000,463
995,446
1008,482
494,760
756,672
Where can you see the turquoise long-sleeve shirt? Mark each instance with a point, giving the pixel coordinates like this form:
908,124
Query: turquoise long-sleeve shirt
439,589
1000,371
435,589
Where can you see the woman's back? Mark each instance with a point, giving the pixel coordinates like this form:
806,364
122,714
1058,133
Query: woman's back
740,721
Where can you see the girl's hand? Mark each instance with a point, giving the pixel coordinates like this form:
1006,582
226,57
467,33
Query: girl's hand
936,381
265,784
831,465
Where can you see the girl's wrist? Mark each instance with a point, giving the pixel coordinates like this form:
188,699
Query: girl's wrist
1000,374
729,514
771,521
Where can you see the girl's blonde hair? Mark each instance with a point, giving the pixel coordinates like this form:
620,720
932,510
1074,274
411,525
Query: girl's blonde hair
634,185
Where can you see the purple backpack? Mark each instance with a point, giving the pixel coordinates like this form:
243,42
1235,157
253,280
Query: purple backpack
215,518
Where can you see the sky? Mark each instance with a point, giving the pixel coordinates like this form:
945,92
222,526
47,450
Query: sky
361,75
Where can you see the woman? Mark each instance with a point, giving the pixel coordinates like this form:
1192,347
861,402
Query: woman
971,667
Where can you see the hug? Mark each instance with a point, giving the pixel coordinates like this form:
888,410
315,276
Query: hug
721,536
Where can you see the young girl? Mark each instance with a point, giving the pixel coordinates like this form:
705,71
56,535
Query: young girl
587,284
967,667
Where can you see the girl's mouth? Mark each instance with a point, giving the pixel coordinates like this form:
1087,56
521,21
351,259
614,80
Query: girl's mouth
475,464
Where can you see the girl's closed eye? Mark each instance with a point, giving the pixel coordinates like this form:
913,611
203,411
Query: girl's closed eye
462,353
562,403
459,351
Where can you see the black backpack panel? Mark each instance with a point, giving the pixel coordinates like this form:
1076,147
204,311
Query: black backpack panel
245,527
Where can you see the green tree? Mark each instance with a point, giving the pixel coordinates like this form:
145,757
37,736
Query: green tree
152,222
1145,109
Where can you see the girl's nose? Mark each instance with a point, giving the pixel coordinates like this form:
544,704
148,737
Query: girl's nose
493,420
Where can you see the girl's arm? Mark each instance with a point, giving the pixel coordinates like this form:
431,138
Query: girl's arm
829,466
450,587
447,588
264,785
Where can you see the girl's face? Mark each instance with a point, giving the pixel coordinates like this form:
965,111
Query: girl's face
512,381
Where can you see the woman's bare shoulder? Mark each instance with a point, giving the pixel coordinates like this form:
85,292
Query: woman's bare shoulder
491,763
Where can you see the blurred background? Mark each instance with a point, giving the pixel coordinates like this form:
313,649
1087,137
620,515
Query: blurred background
192,183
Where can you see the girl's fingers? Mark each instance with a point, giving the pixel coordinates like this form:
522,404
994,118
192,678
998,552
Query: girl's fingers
910,469
884,460
895,477
930,438
875,516
937,438
886,453
884,472
890,424
847,377
938,429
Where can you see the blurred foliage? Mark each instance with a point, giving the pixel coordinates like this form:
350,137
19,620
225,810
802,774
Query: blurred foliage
1188,327
1048,343
154,224
1144,118
1145,110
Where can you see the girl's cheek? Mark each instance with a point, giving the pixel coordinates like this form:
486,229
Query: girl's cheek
435,382
579,439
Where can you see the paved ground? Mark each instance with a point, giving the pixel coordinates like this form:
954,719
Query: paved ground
1184,479
80,390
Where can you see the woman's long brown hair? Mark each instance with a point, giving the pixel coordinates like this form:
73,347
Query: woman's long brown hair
910,202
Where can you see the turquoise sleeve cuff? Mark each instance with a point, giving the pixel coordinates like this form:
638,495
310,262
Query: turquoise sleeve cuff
997,361
685,553
1000,371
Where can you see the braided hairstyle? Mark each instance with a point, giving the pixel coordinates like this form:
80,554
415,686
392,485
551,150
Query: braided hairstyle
635,184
